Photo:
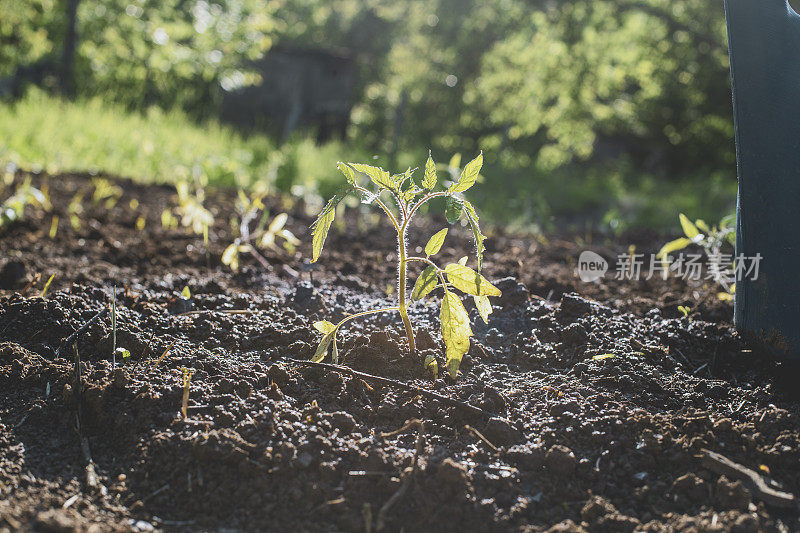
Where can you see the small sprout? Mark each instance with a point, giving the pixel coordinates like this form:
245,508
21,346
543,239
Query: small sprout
53,227
47,285
603,356
408,197
185,380
105,191
133,204
262,237
432,366
186,294
168,220
123,353
710,239
685,310
141,222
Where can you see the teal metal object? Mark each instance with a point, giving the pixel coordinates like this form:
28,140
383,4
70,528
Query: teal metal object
764,45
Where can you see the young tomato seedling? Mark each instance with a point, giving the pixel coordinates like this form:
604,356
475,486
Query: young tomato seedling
408,196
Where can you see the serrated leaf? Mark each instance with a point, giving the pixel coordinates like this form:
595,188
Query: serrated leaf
429,180
468,176
672,246
689,229
324,327
453,208
435,243
379,177
320,227
455,331
425,283
349,175
472,217
484,307
322,349
467,280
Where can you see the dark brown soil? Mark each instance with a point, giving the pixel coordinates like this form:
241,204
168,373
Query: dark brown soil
576,443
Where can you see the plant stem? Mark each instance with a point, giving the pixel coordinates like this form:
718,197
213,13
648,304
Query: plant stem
401,289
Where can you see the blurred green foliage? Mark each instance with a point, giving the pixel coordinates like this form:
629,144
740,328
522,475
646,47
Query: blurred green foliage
589,104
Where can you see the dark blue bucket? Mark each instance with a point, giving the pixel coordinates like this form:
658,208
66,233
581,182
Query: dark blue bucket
764,44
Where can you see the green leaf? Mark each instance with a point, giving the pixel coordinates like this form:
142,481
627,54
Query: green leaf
123,353
484,307
453,209
426,282
322,349
472,217
455,331
429,181
230,256
465,279
380,177
435,243
689,229
186,293
455,161
349,175
702,226
320,227
672,246
603,356
468,176
324,327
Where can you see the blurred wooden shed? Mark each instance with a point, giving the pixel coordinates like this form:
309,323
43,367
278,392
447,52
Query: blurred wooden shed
300,88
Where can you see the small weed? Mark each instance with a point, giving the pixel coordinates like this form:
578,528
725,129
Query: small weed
262,236
408,195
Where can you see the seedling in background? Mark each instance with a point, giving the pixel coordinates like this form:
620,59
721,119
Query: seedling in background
13,208
711,239
408,196
263,236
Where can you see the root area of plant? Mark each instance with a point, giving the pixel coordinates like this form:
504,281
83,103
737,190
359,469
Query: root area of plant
602,402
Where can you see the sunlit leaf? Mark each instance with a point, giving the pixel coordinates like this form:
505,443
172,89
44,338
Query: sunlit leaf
319,230
484,307
603,356
672,246
378,176
426,282
324,327
435,243
468,176
689,229
429,181
465,279
322,349
349,175
186,293
278,223
456,331
230,256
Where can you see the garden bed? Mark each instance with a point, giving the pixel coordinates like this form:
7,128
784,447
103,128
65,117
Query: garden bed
583,405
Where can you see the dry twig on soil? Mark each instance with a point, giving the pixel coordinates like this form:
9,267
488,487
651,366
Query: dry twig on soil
722,465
